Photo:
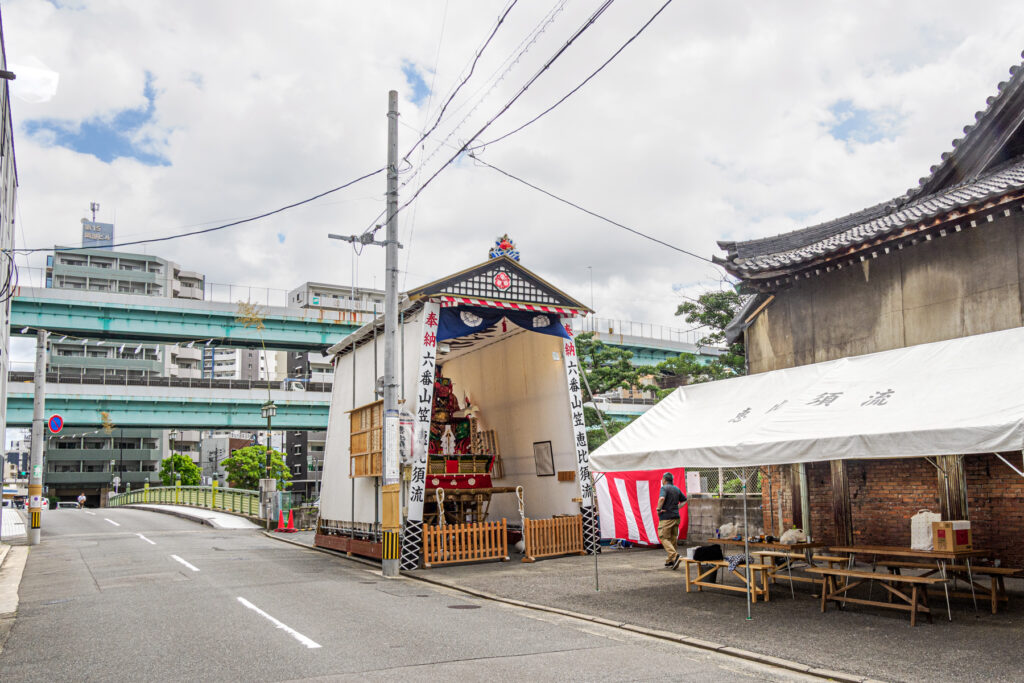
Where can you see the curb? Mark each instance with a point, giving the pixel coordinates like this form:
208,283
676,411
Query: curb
193,518
757,657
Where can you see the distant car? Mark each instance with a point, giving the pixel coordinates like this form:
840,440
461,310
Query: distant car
66,505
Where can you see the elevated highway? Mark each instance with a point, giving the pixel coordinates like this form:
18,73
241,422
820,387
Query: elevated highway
124,317
170,403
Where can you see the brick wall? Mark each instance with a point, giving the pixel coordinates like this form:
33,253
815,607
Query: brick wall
884,494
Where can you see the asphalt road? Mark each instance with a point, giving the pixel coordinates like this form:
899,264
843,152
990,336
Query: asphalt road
123,594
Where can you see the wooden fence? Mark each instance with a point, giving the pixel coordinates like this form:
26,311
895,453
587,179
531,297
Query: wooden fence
550,537
454,543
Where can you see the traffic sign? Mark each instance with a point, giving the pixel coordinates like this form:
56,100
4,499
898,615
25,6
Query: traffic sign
56,423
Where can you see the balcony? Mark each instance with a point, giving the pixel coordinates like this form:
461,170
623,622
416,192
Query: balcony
99,478
107,274
109,363
105,454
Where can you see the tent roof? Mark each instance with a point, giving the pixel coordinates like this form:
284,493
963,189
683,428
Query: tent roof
951,397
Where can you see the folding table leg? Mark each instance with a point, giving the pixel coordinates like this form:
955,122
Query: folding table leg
945,587
970,580
789,570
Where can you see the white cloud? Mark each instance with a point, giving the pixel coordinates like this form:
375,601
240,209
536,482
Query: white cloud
713,125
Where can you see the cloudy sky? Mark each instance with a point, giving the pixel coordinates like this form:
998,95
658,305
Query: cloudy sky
725,120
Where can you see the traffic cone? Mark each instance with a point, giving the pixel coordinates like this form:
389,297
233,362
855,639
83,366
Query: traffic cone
291,523
280,522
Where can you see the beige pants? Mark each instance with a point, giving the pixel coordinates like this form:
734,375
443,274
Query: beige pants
668,532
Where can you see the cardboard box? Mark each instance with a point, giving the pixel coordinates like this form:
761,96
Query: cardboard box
952,535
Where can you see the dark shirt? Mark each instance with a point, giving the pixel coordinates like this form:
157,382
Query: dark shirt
673,497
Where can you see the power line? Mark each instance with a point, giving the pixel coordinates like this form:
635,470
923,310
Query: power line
472,68
583,83
588,211
218,227
497,77
551,60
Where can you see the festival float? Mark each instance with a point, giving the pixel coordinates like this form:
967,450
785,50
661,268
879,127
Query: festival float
492,441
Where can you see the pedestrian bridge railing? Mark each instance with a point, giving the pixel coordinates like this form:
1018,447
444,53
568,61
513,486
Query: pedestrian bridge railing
239,501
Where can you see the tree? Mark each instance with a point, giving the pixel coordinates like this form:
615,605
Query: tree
714,311
595,434
607,367
183,468
247,466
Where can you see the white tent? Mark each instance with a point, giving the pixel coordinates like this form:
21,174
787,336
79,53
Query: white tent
959,396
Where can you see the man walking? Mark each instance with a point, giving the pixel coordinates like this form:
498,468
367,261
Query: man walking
670,499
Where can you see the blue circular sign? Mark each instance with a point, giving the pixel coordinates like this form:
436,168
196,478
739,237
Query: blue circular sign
56,423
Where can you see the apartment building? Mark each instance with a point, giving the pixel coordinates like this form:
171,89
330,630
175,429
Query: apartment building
304,451
89,461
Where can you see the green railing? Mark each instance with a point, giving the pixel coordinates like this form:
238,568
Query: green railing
240,501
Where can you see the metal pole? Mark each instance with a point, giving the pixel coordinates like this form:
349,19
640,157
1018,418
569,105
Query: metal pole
35,472
746,540
805,502
390,565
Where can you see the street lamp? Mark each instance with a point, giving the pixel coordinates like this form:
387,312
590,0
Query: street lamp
269,410
172,436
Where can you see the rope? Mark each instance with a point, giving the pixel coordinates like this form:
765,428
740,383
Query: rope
439,494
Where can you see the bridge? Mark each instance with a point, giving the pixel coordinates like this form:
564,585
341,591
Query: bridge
171,403
129,318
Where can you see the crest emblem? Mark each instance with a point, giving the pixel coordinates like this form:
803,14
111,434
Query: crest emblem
502,281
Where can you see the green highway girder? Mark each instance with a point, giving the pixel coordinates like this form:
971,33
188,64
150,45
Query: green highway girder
196,412
97,315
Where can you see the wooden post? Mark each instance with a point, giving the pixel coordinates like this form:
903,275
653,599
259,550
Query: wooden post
842,513
952,487
793,480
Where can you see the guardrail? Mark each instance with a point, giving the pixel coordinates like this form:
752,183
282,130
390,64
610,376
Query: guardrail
112,378
238,501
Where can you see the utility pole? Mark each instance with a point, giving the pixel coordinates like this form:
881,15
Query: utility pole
391,489
35,471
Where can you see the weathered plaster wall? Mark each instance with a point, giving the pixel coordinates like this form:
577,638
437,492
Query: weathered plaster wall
966,283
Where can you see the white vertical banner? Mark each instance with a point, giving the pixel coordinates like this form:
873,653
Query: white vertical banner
579,425
424,406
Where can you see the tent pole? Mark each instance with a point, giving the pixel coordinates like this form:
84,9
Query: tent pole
597,582
779,502
746,541
805,502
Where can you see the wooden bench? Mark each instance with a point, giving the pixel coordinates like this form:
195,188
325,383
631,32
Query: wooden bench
789,558
836,591
996,592
740,573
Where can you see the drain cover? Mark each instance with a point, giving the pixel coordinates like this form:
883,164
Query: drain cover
463,606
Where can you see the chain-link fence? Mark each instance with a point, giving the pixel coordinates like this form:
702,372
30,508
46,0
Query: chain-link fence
722,481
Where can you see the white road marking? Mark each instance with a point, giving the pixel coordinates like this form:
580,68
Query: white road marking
89,513
145,539
112,522
190,566
284,627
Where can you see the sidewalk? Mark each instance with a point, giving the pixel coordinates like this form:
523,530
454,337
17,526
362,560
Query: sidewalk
13,526
218,520
637,591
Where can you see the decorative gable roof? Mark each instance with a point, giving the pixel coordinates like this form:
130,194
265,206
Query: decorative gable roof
985,168
501,282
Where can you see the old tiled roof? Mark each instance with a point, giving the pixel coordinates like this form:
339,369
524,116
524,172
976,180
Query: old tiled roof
783,253
987,162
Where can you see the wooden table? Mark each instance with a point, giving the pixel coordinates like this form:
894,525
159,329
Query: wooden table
807,547
940,557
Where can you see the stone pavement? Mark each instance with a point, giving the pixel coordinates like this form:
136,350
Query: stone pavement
866,642
12,526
